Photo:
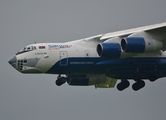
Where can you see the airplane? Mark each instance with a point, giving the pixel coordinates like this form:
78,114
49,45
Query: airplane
135,54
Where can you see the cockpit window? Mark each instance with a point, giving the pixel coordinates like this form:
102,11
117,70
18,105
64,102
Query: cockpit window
24,49
27,49
34,47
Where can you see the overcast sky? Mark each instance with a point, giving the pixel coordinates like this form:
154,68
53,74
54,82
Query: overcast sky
36,97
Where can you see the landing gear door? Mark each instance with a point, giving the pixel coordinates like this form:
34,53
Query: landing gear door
63,58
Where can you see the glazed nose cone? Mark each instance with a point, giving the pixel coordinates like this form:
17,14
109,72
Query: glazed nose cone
12,60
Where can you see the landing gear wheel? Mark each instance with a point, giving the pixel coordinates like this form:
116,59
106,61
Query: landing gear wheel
152,79
138,85
60,81
123,85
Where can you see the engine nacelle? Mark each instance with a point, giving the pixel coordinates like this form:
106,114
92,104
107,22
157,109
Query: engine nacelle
140,45
112,50
109,50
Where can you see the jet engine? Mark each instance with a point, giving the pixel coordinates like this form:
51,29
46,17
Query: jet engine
140,45
112,50
128,47
109,50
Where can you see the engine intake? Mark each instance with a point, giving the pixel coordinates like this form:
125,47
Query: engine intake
109,50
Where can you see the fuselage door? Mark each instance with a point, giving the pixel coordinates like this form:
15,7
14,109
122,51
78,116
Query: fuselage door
63,58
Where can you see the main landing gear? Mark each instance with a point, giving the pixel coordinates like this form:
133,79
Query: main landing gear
138,85
125,84
60,80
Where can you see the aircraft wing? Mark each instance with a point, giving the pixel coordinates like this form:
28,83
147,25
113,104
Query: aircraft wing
124,33
156,30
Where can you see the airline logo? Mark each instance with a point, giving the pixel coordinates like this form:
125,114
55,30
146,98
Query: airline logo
58,47
42,47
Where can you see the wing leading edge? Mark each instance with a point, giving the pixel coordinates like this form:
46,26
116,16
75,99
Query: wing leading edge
125,33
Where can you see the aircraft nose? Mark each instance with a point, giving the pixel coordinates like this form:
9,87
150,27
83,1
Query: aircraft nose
12,60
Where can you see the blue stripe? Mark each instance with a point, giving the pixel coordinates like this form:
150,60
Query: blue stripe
117,68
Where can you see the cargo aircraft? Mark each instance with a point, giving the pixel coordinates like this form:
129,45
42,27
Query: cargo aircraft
135,54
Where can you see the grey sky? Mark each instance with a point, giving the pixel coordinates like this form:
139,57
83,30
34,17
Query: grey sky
36,97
